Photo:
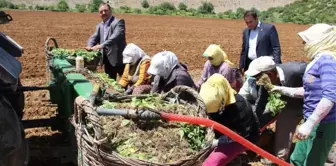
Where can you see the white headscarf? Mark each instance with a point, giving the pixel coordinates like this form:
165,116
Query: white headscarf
132,53
163,63
314,32
320,38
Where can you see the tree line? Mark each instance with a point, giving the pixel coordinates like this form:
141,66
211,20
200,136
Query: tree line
299,12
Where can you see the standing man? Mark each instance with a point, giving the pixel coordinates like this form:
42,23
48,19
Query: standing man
109,37
259,39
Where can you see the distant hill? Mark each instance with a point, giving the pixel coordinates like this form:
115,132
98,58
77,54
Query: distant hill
220,5
303,12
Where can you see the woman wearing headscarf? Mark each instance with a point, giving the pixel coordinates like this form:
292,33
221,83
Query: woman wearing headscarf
135,73
168,72
218,62
318,132
230,109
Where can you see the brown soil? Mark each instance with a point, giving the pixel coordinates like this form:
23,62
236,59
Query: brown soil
187,37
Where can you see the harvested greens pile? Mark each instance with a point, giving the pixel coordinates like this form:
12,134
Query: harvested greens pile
274,104
153,141
71,54
101,79
109,82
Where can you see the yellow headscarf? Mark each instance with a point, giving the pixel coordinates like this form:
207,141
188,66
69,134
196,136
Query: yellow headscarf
217,54
216,92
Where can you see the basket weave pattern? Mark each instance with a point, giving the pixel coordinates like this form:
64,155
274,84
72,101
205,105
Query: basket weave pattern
90,147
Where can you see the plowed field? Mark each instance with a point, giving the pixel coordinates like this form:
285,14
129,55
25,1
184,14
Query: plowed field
187,37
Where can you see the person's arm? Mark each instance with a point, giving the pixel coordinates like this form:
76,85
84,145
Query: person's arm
94,38
288,91
248,91
155,84
238,79
322,109
118,33
203,76
275,44
327,72
143,73
242,54
124,80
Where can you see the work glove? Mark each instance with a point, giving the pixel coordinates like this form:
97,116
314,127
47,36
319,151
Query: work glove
129,90
322,109
288,91
223,139
305,129
214,143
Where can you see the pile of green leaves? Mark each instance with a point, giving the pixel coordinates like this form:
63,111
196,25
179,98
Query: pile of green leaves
195,135
149,102
275,104
156,140
109,81
87,55
62,53
72,54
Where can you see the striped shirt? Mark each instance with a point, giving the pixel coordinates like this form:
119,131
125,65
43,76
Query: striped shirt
319,81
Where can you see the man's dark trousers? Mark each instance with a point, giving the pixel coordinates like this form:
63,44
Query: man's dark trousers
113,71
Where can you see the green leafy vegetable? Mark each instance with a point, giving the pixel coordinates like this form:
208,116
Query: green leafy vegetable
195,135
62,53
87,55
111,82
154,140
149,102
72,54
275,104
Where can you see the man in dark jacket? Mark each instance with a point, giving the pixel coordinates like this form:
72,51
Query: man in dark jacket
110,34
259,39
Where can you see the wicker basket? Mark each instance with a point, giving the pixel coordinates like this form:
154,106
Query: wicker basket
90,148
